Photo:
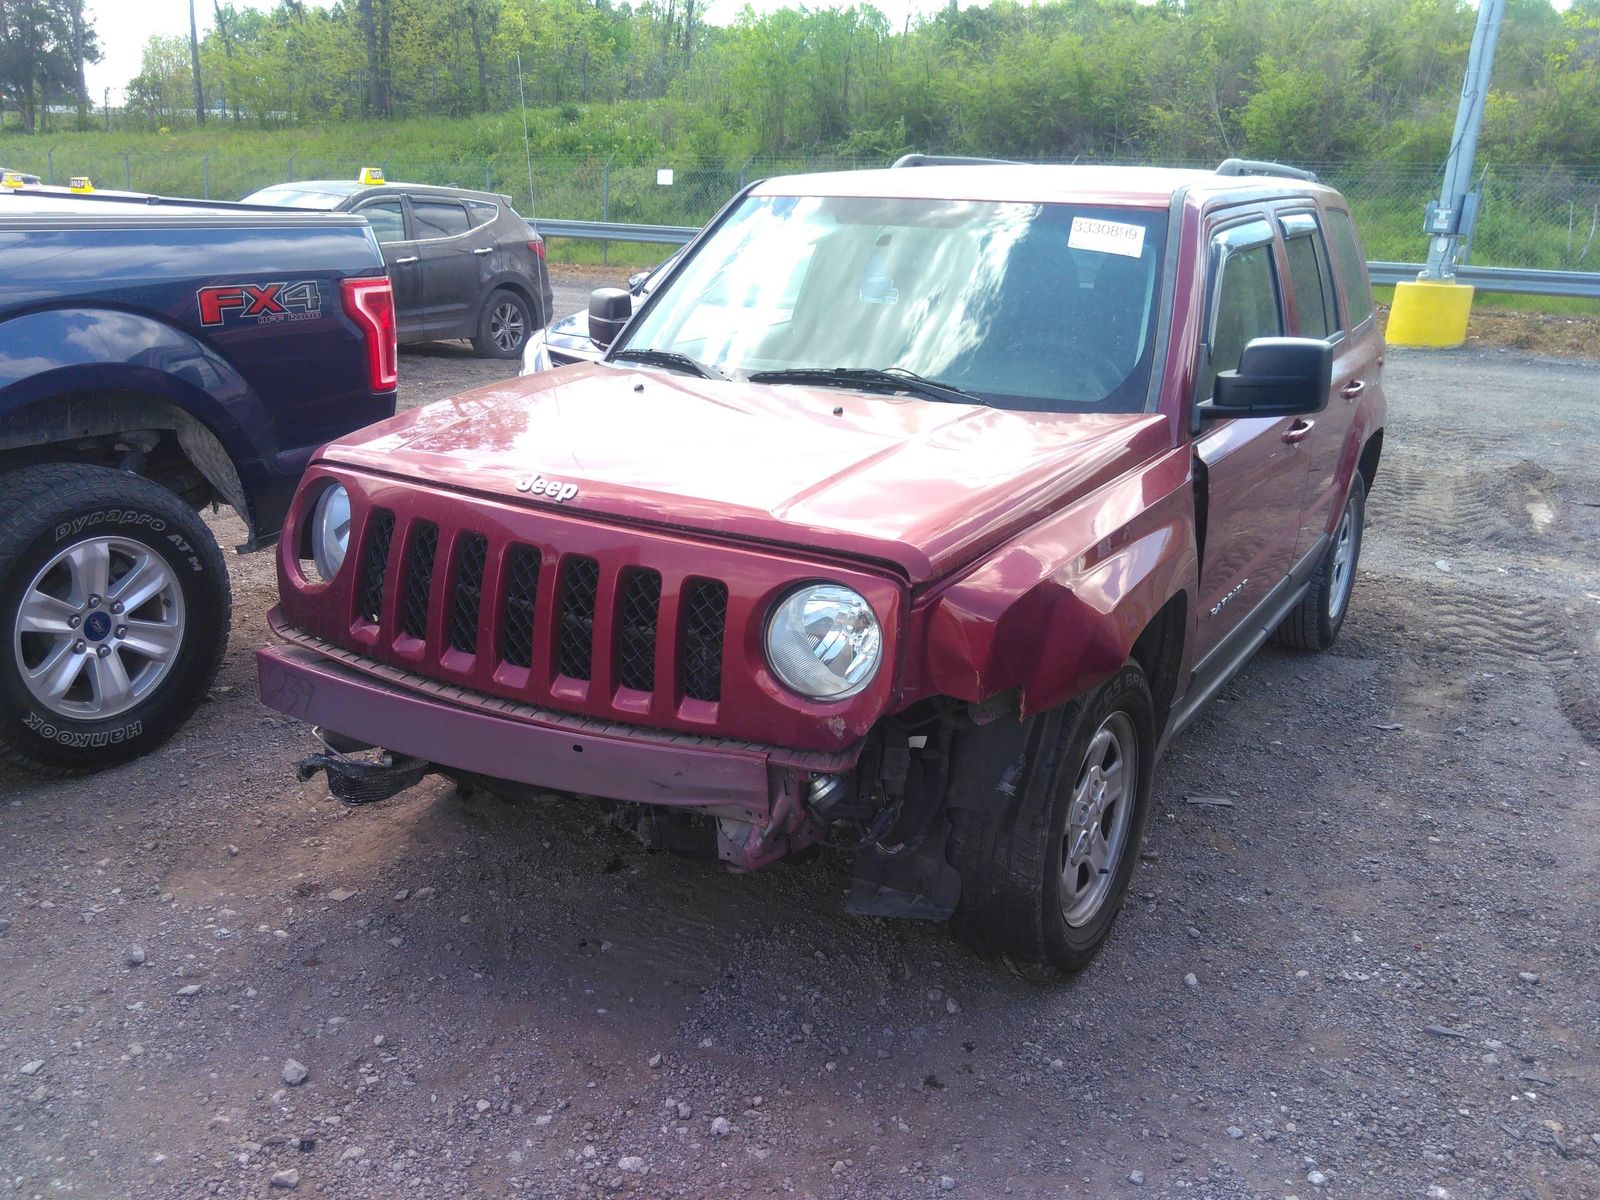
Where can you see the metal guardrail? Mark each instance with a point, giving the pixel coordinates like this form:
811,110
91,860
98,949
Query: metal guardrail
610,231
1526,281
1515,280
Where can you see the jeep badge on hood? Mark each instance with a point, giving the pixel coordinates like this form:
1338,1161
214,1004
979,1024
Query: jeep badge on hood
540,486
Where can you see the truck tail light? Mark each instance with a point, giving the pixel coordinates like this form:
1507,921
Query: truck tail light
370,304
538,249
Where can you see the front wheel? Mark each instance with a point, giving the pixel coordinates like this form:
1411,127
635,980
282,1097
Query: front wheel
1046,827
114,614
503,326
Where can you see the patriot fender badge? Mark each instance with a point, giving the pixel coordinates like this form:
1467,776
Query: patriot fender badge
537,485
262,303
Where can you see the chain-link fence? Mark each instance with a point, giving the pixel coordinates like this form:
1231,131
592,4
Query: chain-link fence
1546,217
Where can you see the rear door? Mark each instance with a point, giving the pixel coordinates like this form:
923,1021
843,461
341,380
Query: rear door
450,288
1358,351
387,216
1255,479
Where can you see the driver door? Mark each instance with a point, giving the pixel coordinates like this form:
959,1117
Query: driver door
1255,477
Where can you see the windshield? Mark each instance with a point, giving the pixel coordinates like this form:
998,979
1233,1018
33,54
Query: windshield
1040,307
292,196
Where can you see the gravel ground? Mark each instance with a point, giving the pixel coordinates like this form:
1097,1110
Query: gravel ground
1372,970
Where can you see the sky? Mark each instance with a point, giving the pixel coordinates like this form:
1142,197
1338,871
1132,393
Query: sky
125,25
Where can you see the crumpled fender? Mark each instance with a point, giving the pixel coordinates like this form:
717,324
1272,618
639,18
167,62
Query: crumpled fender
1056,611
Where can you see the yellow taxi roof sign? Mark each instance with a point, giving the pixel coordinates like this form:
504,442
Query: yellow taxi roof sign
370,175
12,179
80,183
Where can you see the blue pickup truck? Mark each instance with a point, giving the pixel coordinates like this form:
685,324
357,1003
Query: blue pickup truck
156,357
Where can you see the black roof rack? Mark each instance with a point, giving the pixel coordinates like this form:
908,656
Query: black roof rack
950,160
1255,166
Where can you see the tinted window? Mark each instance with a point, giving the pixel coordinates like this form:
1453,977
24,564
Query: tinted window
438,218
386,219
1352,267
482,212
1313,291
1246,308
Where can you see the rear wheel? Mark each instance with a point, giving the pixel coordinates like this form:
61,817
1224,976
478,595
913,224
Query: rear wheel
114,613
1046,830
503,326
1317,619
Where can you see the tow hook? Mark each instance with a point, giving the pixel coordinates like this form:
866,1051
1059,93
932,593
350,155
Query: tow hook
360,781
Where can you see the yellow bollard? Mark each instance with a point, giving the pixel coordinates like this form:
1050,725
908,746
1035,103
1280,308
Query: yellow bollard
1429,314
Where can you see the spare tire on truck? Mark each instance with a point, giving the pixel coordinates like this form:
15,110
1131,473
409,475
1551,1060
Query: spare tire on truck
114,614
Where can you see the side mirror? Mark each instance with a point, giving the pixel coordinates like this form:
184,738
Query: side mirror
1276,377
609,310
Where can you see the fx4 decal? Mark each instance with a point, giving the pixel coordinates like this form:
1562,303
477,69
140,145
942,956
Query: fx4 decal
264,303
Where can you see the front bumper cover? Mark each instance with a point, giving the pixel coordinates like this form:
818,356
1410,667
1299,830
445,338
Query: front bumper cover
487,736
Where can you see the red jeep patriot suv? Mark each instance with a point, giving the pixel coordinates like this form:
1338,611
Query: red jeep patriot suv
913,513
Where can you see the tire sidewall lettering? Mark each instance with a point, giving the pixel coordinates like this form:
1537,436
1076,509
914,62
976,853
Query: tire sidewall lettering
119,518
81,739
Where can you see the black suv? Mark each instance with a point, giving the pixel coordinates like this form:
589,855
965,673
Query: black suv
463,263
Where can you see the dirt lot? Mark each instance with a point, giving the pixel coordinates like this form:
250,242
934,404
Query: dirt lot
1393,930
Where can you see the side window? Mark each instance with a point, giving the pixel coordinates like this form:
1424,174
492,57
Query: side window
438,218
387,220
1245,307
1317,314
482,212
1352,267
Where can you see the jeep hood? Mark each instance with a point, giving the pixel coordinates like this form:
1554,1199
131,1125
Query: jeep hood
923,485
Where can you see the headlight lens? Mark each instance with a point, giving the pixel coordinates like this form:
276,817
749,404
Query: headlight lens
535,354
330,531
824,641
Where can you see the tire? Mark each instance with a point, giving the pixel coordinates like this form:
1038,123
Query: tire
72,539
1315,622
503,325
1011,823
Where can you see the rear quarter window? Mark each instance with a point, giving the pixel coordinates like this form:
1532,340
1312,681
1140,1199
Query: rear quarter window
1352,267
481,212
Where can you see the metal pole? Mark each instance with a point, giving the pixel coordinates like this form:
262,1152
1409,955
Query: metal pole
127,171
1450,222
605,210
50,165
205,171
290,176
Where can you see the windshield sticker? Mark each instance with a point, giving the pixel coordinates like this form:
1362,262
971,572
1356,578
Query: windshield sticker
1106,237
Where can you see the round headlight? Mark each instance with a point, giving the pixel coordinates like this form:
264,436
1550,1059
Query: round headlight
824,642
330,531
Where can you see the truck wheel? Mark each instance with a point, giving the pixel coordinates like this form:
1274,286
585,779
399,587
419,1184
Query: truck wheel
114,612
1316,620
503,326
1045,831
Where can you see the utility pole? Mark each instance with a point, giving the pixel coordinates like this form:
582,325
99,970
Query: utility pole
1451,218
194,58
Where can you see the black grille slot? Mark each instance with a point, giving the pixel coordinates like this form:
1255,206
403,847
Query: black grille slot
374,563
472,552
419,578
636,639
522,588
580,584
705,616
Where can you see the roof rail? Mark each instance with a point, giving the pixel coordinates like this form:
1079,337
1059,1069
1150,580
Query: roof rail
1255,166
950,160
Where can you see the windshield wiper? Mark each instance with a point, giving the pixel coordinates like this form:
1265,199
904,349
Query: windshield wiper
896,378
668,358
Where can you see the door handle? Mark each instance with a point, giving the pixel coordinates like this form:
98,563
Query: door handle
1353,389
400,262
1297,432
484,250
